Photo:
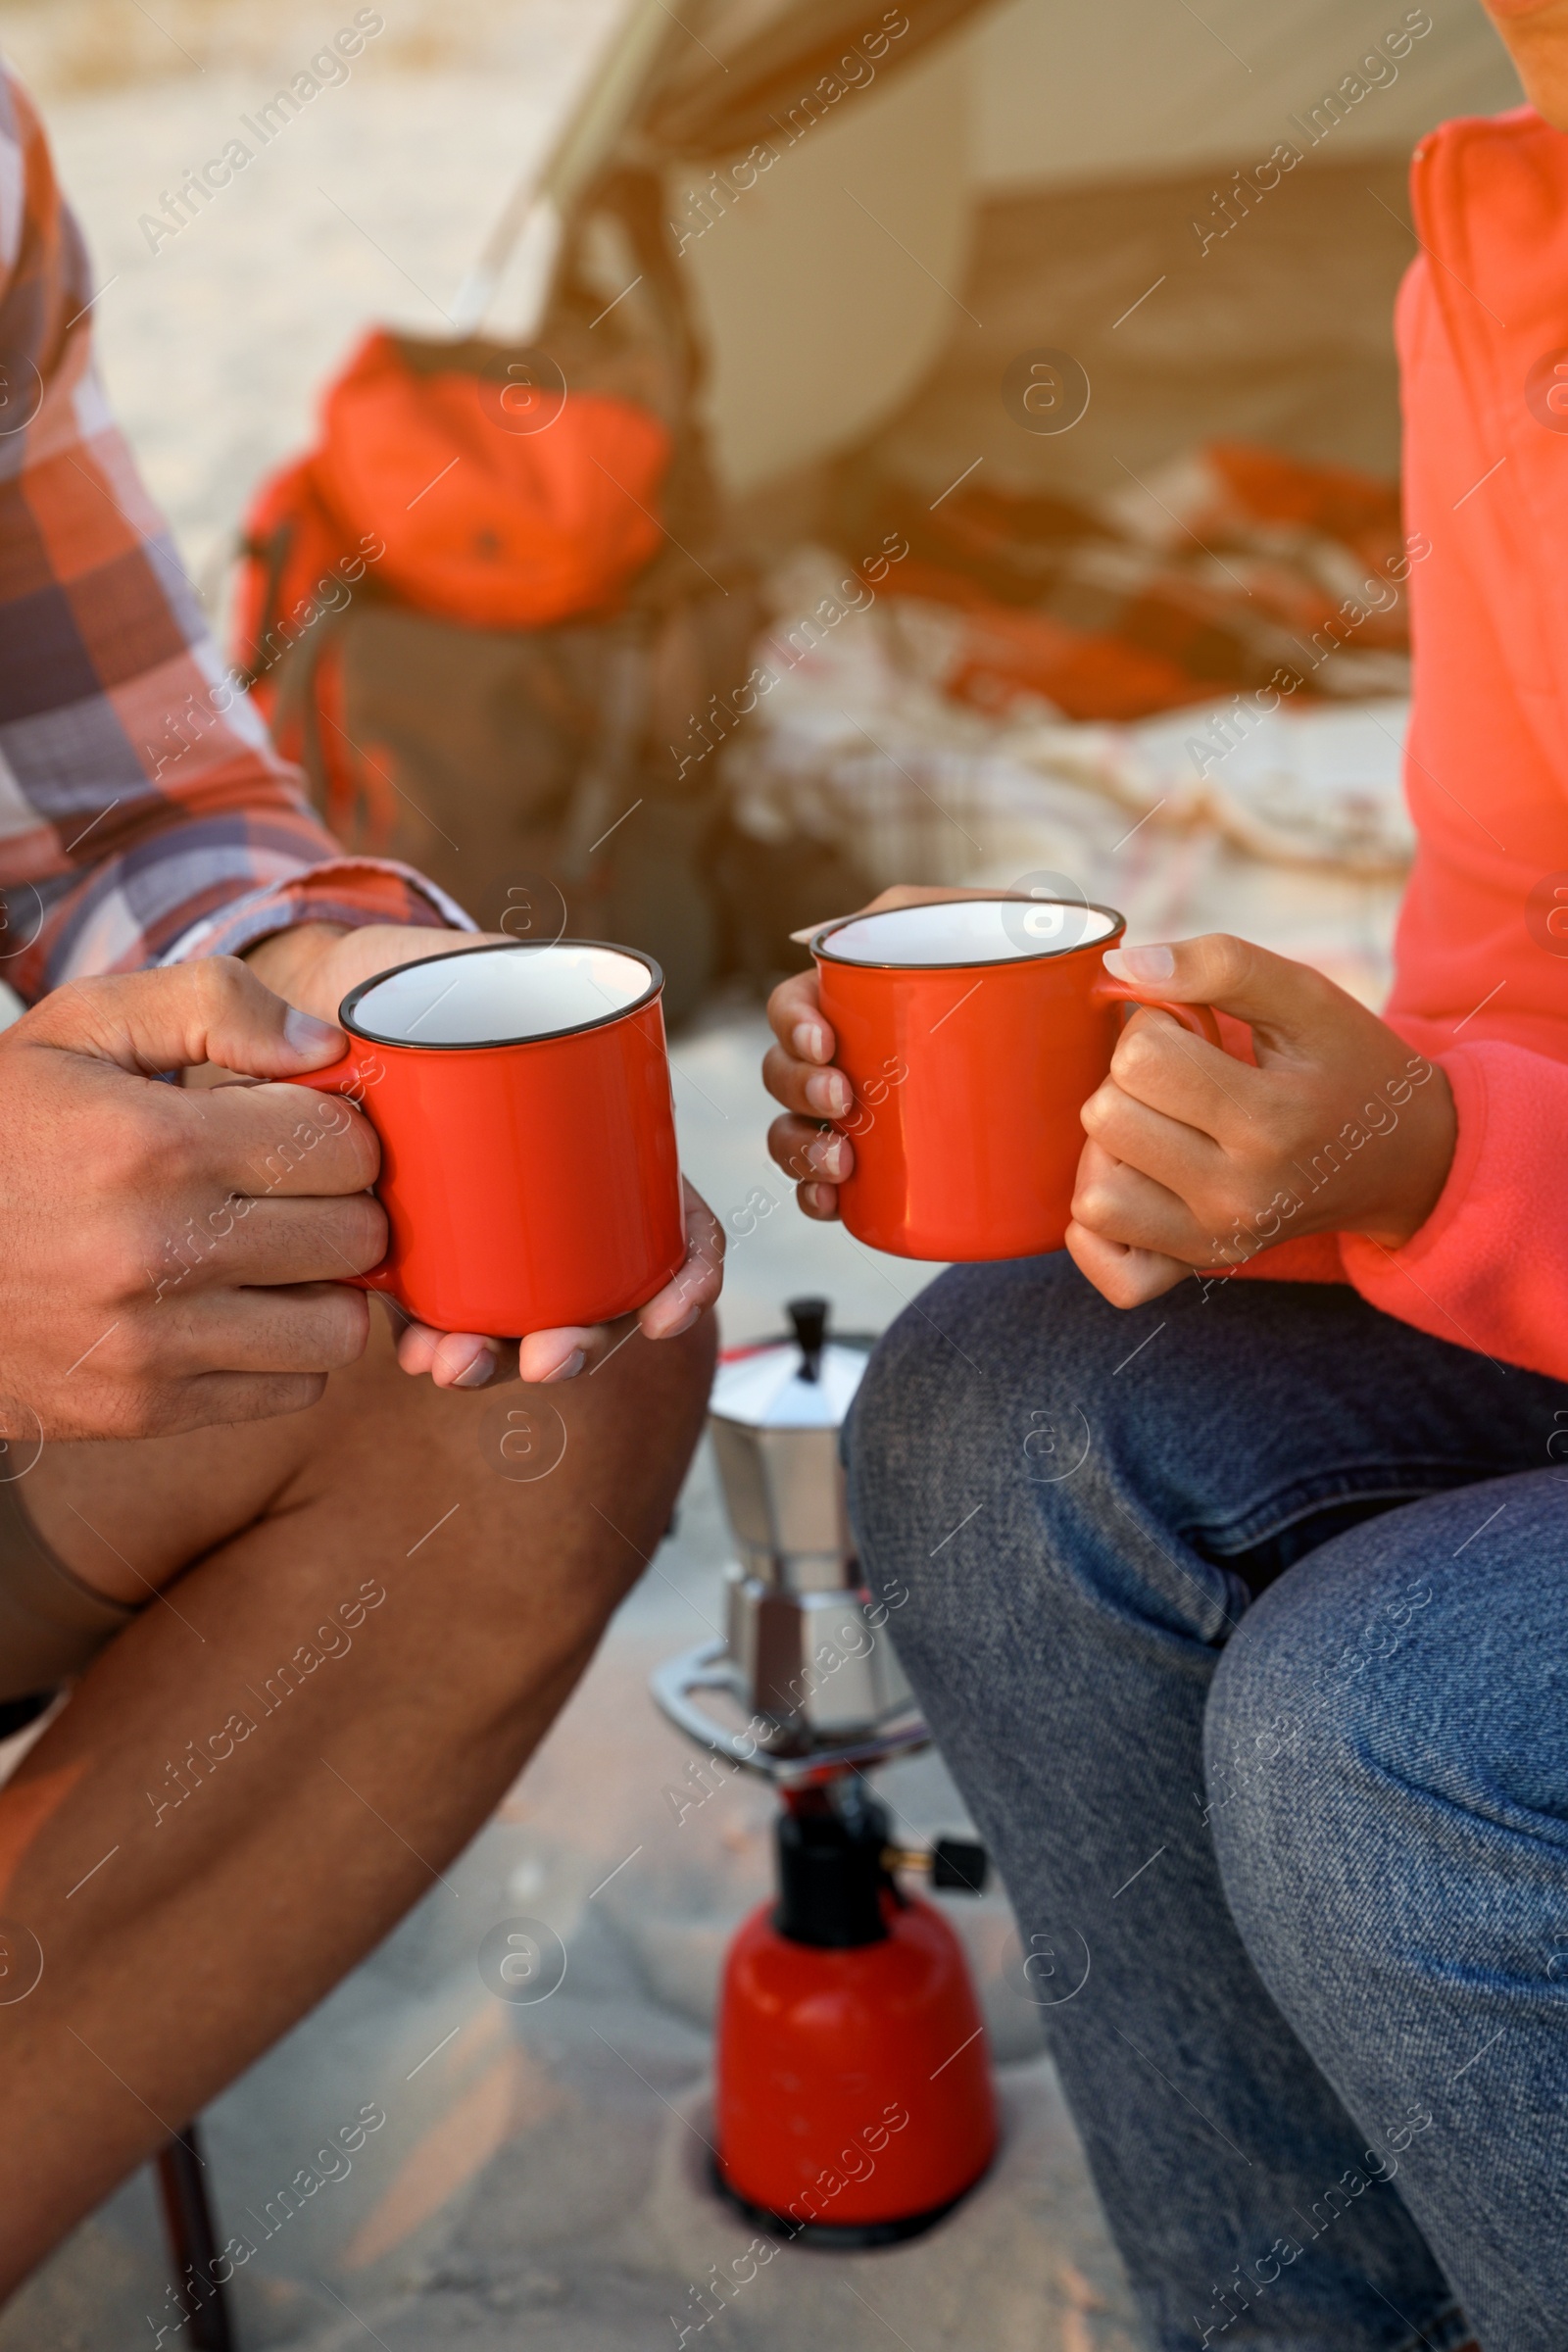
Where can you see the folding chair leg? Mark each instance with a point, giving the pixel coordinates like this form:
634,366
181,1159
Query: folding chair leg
193,2240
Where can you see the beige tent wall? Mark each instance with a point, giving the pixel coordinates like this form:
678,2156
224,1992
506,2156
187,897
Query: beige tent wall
829,288
1144,87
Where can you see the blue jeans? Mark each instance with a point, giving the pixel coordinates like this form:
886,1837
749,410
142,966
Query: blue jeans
1241,1620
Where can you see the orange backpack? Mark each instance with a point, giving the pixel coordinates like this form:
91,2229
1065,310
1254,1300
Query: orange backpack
483,611
453,482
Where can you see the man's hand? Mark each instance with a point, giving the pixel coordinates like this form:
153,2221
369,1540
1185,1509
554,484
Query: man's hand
1194,1159
172,1259
314,965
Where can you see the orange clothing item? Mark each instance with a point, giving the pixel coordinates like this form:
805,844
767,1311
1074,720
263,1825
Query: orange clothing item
1482,951
488,514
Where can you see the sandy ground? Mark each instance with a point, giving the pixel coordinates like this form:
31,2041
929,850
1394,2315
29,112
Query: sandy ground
540,2177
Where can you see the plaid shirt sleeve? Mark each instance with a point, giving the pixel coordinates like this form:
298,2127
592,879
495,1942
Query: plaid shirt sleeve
144,816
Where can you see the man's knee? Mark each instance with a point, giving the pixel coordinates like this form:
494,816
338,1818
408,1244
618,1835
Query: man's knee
635,1422
628,1427
543,1505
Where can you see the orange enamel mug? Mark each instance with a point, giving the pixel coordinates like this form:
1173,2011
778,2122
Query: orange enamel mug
973,1031
522,1096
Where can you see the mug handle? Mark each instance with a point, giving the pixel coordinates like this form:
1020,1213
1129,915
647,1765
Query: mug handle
351,1077
1198,1019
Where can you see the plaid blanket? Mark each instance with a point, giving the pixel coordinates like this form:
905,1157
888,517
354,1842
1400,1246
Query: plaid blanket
860,742
1230,569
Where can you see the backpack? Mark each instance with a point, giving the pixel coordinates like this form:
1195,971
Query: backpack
483,609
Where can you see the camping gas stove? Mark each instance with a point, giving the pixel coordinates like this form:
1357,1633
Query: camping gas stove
803,1684
853,2099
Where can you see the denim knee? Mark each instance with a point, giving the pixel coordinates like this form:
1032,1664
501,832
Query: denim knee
1383,1712
999,1470
951,1416
1292,1733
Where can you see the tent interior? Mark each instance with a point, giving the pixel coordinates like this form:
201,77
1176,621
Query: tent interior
1035,506
1025,176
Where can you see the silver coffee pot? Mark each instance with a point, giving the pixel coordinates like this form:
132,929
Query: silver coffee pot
805,1659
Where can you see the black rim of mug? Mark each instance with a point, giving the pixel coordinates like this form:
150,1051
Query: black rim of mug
485,1045
979,963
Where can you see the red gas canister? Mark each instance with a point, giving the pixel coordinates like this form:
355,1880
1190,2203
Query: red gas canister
853,2094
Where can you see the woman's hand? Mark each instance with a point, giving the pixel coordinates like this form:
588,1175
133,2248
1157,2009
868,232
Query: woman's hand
313,966
1194,1159
798,1072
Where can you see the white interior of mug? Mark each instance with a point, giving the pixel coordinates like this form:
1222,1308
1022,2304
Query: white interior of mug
967,931
500,995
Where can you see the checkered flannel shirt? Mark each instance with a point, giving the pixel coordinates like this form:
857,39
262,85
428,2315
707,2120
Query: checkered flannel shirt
144,816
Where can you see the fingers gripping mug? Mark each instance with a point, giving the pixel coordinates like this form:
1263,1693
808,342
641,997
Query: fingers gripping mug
528,1164
973,1031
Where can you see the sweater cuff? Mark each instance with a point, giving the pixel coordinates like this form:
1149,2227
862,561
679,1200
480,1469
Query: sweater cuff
1314,1257
1451,1279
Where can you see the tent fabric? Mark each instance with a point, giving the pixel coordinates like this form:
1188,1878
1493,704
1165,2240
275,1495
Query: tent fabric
852,234
1066,95
803,56
1280,333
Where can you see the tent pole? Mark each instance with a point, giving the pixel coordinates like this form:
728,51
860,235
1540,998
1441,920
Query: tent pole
535,213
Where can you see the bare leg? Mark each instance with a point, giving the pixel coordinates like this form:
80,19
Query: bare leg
218,1920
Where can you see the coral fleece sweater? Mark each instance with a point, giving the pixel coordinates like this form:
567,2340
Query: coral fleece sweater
1481,957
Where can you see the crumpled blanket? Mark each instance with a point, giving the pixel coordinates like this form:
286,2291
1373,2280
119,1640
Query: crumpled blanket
1227,569
858,739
